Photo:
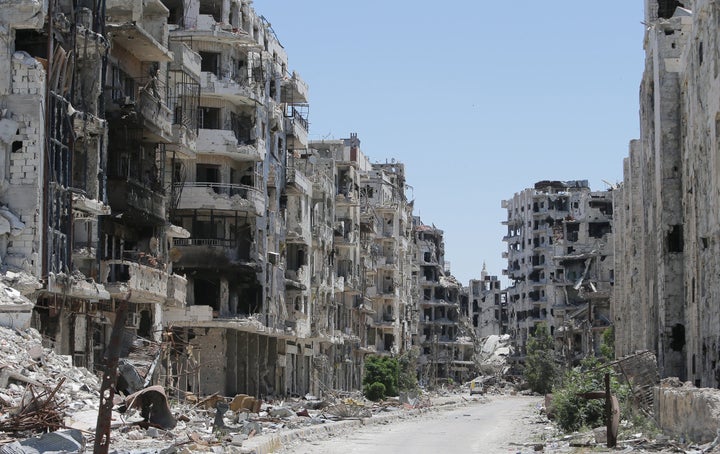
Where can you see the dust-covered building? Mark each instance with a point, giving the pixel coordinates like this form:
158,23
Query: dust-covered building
560,264
667,207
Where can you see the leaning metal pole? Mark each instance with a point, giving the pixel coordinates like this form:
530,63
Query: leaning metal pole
109,381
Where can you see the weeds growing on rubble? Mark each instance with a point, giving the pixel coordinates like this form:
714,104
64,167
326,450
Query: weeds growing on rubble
572,411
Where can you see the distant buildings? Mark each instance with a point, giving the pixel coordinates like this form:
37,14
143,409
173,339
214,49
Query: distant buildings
560,262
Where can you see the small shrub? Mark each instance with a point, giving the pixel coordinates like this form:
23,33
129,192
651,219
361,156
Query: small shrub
375,391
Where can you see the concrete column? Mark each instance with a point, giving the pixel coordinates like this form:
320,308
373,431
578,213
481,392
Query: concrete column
224,296
231,371
242,362
253,363
190,289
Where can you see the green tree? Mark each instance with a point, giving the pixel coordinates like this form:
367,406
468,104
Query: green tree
607,348
540,369
384,370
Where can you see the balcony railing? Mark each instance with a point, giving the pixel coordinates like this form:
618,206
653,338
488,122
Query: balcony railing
204,242
228,189
220,196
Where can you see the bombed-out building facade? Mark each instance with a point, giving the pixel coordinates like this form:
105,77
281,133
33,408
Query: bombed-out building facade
560,264
667,206
156,156
484,305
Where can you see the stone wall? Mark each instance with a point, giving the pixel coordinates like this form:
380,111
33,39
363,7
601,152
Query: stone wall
686,411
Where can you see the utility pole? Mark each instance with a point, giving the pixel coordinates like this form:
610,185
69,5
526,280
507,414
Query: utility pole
109,381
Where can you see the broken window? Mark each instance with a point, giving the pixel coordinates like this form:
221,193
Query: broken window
207,173
604,206
207,292
573,230
209,117
210,62
700,52
666,8
677,337
599,229
242,126
123,87
675,238
212,8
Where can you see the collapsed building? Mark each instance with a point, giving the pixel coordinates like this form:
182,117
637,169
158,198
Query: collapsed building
484,304
560,263
667,242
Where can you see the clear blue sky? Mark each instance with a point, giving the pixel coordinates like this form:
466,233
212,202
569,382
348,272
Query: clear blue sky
479,99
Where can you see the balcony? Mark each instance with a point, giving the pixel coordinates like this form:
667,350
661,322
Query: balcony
144,283
186,59
177,291
214,253
297,181
224,143
126,195
183,141
238,90
220,196
322,232
387,263
137,41
72,287
296,129
298,279
294,90
203,27
155,115
385,323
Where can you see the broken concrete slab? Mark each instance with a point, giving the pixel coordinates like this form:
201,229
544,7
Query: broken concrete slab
687,411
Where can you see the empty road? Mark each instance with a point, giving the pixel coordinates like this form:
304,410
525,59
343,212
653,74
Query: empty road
501,425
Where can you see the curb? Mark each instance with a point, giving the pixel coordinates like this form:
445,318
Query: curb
271,443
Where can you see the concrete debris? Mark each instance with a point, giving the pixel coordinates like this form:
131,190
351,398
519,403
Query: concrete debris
43,389
21,281
39,390
61,441
494,353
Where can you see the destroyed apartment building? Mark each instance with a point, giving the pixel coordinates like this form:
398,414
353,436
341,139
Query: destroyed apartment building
484,304
156,154
560,263
667,243
446,349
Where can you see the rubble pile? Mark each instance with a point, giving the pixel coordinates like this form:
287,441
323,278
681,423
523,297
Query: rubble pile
40,391
38,388
494,353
